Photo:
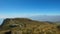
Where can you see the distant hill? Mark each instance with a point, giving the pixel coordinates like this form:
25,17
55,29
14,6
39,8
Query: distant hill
46,18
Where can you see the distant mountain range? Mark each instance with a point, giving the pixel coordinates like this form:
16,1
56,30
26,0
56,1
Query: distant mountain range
46,18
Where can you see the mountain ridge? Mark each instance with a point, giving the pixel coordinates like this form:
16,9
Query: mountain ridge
46,18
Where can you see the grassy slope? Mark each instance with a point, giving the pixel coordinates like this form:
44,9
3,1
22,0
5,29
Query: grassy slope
28,26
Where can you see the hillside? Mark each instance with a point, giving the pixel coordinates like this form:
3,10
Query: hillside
27,26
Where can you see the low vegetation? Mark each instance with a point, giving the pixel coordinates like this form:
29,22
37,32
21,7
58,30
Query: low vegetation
28,26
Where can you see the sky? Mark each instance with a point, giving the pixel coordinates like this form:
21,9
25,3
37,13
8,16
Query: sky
25,8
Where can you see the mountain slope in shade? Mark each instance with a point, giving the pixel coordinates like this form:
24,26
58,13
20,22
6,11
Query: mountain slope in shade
46,18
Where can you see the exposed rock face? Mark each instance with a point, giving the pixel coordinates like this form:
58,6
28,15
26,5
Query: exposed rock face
27,26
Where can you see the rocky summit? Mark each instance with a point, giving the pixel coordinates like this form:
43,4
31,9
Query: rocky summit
27,26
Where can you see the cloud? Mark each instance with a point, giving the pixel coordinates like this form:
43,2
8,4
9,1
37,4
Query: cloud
14,16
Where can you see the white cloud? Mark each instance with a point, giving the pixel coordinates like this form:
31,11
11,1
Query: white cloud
14,16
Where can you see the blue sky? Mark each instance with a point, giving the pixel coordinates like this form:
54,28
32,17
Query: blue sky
23,8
